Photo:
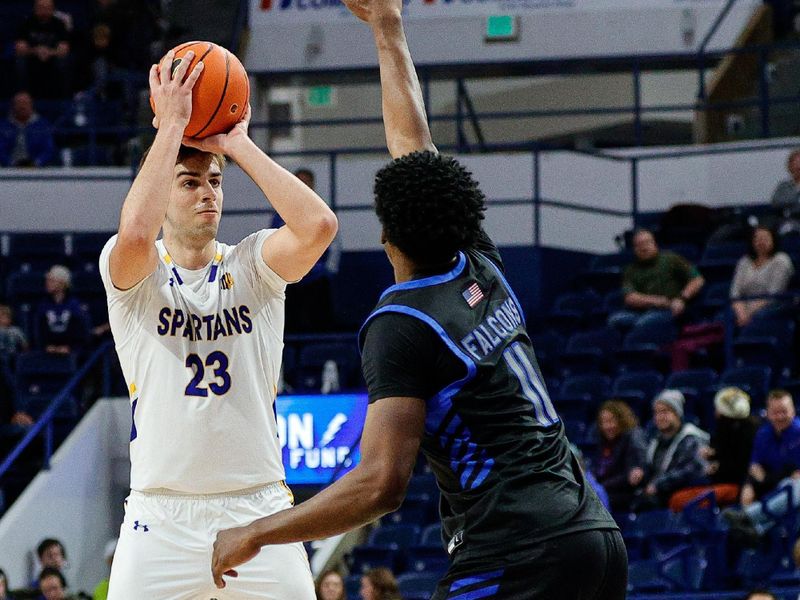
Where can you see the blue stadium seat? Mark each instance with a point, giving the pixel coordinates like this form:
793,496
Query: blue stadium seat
589,351
313,356
37,249
605,271
352,585
638,389
86,246
427,558
753,380
397,536
725,251
431,536
547,346
418,510
644,347
575,431
423,485
365,558
714,299
417,585
25,287
766,342
645,577
580,395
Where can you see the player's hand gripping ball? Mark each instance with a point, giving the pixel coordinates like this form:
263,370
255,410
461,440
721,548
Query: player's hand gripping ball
222,92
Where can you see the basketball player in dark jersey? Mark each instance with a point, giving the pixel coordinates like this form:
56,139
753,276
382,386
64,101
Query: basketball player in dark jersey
450,369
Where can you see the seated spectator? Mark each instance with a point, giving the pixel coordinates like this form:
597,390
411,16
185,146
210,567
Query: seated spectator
330,586
26,138
4,587
728,453
657,286
52,584
762,271
786,196
309,302
776,449
62,325
379,584
775,464
42,52
732,441
618,465
52,555
673,460
12,339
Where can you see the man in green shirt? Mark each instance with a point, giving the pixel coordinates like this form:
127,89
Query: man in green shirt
657,286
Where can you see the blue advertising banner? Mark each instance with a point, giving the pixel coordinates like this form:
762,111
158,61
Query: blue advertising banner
317,434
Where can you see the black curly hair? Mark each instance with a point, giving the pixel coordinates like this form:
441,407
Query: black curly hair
429,206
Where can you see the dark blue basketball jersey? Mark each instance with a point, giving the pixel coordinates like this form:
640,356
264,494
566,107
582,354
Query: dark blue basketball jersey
493,439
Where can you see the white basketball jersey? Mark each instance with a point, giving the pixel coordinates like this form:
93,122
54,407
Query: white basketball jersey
201,352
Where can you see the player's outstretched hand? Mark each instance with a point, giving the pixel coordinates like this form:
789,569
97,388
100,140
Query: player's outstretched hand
224,142
171,89
232,548
372,11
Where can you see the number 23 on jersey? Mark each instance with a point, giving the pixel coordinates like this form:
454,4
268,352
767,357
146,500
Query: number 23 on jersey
218,362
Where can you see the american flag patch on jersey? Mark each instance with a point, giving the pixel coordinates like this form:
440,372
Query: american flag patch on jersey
473,295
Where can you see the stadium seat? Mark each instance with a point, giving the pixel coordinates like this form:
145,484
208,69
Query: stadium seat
37,250
397,536
423,485
313,356
766,342
417,586
714,299
638,389
589,351
352,585
645,577
86,246
427,558
25,287
580,395
365,558
431,536
753,380
570,311
644,347
419,510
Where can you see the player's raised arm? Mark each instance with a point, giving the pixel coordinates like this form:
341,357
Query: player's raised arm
310,224
403,108
134,256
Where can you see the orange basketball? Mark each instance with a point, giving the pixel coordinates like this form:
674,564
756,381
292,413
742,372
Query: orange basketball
221,94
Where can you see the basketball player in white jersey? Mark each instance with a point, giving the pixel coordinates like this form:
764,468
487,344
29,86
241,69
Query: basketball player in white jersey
198,327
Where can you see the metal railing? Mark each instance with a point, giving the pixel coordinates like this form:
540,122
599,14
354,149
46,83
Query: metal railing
44,424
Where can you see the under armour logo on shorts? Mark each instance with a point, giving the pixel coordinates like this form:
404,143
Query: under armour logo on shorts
142,526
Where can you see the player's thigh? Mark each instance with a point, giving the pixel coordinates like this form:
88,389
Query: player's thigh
157,558
276,573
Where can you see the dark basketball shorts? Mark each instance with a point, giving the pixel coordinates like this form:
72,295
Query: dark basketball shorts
587,565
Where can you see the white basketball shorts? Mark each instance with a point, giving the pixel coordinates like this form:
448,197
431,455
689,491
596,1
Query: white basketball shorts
166,542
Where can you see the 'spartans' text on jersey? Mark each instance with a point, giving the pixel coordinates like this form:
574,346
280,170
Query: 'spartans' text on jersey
176,322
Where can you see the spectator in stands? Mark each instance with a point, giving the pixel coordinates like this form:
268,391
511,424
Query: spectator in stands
42,51
786,196
775,464
4,587
52,555
732,441
26,138
673,458
330,586
309,304
379,584
52,584
62,325
619,463
12,339
776,449
762,271
657,287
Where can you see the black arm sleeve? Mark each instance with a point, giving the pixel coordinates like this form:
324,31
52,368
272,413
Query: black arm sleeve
404,357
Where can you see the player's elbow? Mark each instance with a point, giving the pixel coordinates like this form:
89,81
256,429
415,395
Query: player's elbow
324,227
388,494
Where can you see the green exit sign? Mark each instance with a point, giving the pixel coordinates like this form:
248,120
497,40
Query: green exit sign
502,28
321,96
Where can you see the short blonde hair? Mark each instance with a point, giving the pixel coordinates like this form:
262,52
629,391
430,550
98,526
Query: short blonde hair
61,273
